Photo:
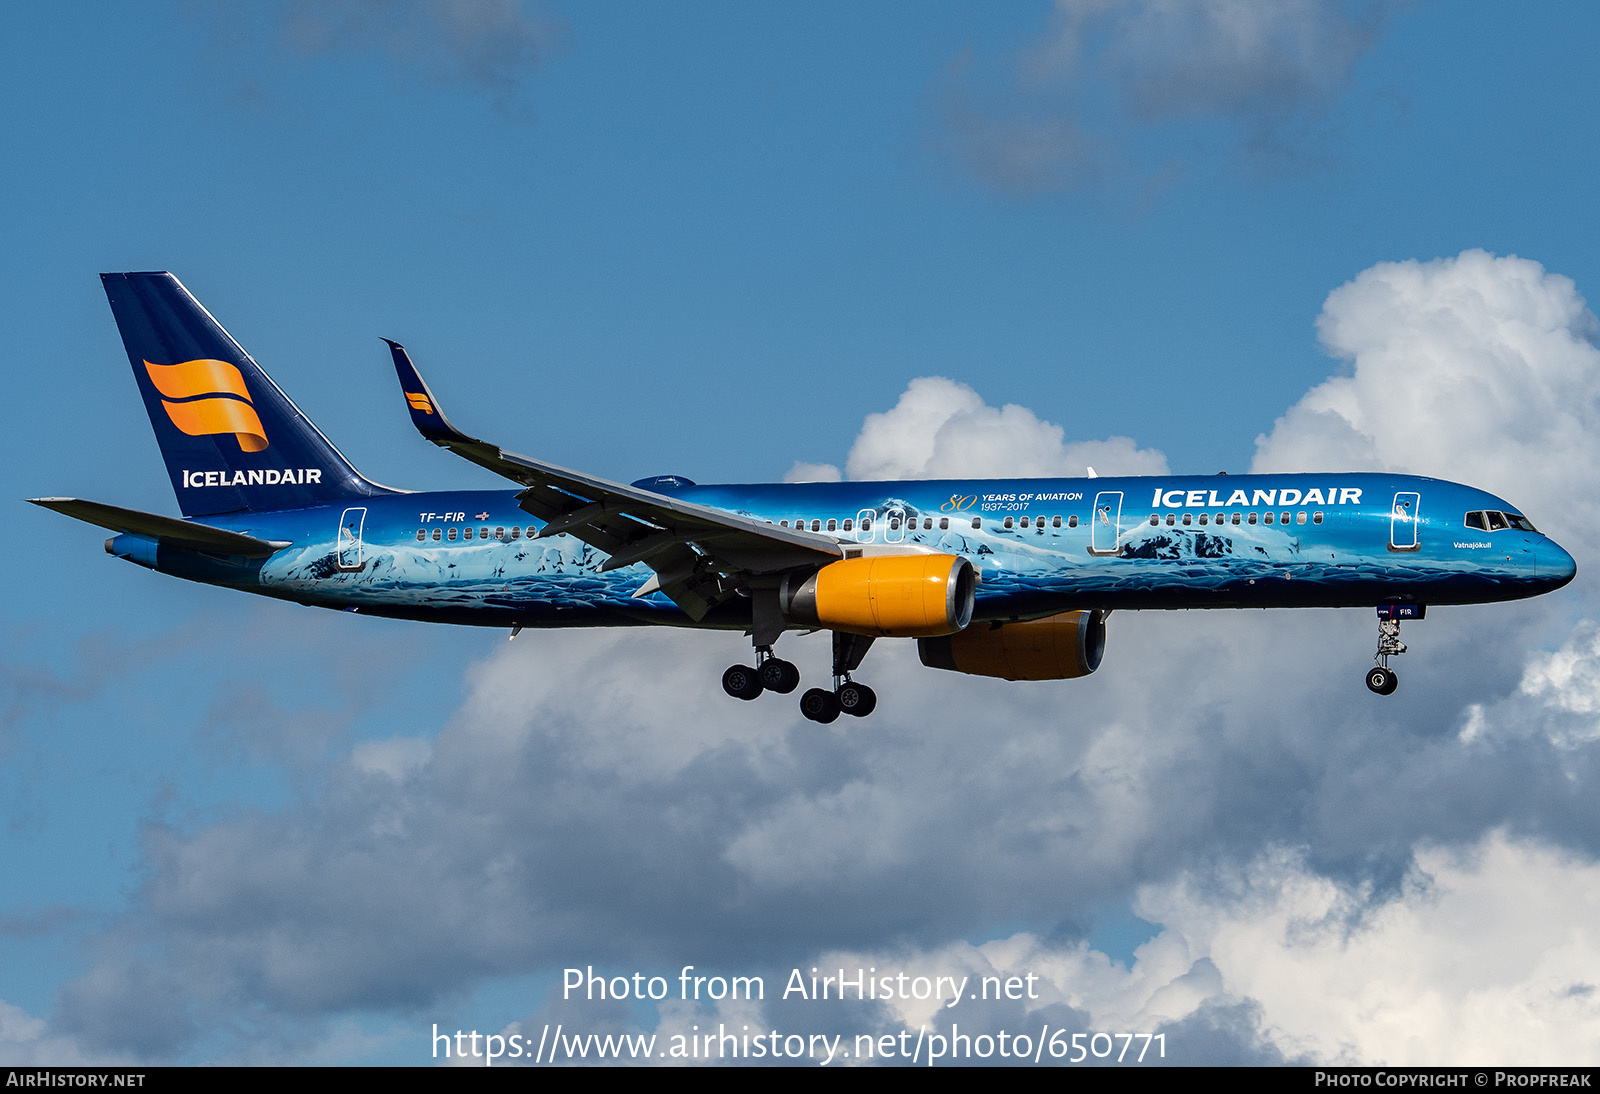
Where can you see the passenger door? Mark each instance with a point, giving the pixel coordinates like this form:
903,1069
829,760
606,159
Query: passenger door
347,553
1107,523
1403,522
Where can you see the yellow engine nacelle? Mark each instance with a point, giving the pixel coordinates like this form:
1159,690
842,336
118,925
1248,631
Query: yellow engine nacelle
1059,647
900,596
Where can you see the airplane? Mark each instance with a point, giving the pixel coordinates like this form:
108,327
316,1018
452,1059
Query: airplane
1008,578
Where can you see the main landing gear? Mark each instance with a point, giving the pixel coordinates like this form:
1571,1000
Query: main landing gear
772,673
1381,679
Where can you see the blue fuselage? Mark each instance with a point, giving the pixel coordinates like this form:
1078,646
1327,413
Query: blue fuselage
1041,546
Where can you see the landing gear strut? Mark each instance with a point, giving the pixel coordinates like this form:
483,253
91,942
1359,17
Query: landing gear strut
1381,679
772,673
847,696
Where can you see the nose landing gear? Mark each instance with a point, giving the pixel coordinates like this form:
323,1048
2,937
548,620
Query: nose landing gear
1381,679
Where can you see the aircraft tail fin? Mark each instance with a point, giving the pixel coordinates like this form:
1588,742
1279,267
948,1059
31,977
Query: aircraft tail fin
231,438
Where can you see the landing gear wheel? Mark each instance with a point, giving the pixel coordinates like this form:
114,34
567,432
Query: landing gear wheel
779,676
1382,681
741,682
819,706
857,699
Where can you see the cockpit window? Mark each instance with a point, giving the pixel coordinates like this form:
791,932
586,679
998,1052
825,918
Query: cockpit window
1491,521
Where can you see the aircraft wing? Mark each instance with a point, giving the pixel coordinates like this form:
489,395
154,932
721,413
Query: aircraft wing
179,533
701,556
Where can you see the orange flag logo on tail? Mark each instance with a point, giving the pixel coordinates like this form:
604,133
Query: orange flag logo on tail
209,395
419,401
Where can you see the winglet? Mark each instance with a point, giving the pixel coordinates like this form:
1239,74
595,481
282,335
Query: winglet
425,413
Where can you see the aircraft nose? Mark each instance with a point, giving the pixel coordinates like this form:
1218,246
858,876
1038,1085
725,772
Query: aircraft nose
1555,564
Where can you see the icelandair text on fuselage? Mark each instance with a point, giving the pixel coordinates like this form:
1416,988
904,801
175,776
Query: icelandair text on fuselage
852,984
293,476
1210,499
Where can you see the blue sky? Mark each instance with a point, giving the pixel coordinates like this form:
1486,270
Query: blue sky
712,239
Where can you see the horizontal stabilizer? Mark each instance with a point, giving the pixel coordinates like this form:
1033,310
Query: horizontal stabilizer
169,530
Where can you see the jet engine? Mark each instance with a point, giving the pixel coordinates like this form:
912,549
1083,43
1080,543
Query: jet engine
901,596
1059,647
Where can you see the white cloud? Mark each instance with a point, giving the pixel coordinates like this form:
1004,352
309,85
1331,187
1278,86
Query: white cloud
1486,956
943,429
1106,69
1478,368
1558,700
812,472
27,1041
1483,956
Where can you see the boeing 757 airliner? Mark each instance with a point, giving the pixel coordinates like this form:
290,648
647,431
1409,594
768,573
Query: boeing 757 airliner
1010,578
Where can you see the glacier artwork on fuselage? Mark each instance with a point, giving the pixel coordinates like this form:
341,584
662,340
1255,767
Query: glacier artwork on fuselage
1011,578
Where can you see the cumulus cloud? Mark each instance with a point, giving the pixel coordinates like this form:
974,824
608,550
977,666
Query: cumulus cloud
1476,368
943,429
1484,955
1106,67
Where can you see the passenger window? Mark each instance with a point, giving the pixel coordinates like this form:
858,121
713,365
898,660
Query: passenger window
977,522
833,526
1154,519
466,533
783,524
894,524
1267,519
422,534
515,531
1187,518
1055,522
1024,522
1300,517
1283,518
436,535
1316,518
1252,518
944,524
849,524
451,534
1072,521
816,525
500,533
1008,523
866,524
1236,518
1171,520
1202,518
